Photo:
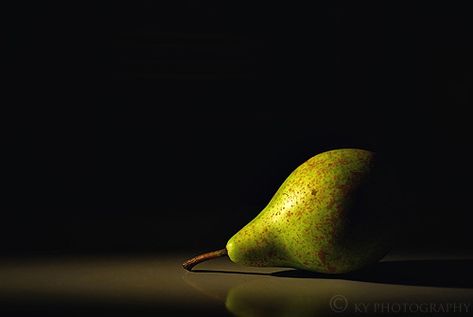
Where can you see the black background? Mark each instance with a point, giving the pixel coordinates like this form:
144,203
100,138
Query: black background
151,127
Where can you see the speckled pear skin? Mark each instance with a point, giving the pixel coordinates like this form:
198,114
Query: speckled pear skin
330,216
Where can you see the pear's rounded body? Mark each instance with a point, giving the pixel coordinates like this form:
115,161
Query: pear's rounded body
333,214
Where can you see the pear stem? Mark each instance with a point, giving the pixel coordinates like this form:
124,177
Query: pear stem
189,264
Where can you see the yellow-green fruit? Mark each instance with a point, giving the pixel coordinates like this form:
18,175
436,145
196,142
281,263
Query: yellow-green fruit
333,214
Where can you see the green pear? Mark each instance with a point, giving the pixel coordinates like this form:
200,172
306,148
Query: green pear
333,214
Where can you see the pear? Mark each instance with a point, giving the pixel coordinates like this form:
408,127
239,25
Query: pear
333,214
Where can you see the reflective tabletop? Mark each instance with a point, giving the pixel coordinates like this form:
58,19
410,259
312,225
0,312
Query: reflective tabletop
153,285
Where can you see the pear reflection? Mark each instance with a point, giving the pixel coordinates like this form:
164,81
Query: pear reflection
290,297
279,292
279,298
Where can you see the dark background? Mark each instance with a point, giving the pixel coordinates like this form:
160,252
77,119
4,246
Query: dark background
151,127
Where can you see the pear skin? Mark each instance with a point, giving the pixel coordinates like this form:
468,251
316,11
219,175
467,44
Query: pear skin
315,221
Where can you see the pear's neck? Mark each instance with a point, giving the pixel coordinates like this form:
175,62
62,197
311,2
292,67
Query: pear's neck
256,244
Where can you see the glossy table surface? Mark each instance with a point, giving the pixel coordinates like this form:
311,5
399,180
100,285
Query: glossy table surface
151,286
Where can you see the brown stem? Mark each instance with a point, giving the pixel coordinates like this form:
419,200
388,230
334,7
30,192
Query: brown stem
189,264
